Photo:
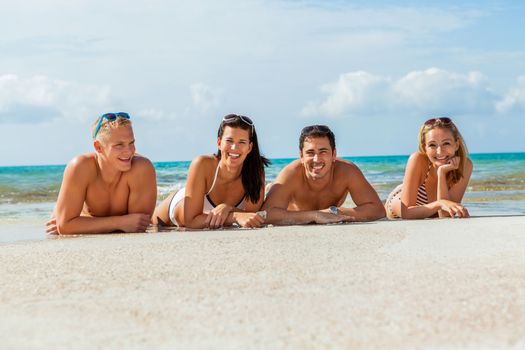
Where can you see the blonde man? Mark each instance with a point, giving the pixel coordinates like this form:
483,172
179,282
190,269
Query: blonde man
110,190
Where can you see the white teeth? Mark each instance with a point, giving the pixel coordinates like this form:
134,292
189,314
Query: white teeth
234,155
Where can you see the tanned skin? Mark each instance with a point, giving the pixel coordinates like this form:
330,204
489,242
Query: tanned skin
110,190
306,188
228,190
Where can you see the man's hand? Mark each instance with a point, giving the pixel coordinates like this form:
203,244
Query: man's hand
135,222
325,217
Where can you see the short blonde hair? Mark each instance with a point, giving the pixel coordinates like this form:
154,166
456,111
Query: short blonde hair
462,152
106,126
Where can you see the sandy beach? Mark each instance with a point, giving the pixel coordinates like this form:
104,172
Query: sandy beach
434,284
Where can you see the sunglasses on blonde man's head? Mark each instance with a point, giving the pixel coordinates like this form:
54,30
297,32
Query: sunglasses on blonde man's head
109,117
442,120
235,117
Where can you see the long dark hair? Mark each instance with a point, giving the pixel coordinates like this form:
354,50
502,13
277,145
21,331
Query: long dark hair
252,173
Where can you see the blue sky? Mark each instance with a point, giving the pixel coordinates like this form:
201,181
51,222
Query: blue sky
373,71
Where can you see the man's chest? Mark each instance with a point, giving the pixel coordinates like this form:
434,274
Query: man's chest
103,201
308,200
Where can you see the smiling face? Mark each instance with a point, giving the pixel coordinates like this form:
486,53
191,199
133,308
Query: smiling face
117,148
234,145
317,157
440,146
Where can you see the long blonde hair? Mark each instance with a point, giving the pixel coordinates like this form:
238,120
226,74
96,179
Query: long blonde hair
446,123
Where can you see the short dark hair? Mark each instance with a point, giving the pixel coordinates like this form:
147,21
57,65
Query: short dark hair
316,131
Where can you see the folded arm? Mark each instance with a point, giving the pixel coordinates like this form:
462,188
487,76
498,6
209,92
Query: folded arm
368,205
456,192
278,199
68,211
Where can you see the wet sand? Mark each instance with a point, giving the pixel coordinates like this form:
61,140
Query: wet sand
434,284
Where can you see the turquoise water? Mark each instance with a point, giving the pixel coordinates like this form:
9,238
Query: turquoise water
497,187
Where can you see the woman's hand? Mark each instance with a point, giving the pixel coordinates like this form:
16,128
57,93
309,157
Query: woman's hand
51,227
218,215
453,164
250,220
453,209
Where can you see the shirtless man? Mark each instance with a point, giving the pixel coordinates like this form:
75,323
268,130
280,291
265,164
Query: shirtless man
111,189
313,188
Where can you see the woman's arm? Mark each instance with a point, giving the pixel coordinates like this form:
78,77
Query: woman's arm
195,191
456,192
447,203
416,166
245,216
416,169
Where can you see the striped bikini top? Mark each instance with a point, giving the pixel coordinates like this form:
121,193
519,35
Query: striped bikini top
422,197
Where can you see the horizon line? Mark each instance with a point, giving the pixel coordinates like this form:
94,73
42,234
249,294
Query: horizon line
280,158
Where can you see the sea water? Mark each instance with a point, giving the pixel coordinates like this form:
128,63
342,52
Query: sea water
497,186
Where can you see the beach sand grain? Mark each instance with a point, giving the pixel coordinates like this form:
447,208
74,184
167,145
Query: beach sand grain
435,284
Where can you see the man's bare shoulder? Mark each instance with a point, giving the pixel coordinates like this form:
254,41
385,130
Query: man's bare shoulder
345,167
141,163
142,173
81,170
83,164
291,172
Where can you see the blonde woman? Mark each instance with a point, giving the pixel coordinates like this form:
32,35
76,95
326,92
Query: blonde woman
436,176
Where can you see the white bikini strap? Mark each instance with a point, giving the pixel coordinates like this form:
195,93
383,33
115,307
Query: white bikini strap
214,179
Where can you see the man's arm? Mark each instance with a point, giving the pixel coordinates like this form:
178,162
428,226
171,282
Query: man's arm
276,207
142,187
71,201
368,205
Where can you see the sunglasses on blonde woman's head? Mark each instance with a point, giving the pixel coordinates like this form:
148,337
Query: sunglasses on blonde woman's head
235,117
110,117
442,120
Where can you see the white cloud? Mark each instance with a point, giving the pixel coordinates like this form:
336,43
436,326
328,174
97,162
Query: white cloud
355,92
514,100
41,98
205,98
432,91
435,90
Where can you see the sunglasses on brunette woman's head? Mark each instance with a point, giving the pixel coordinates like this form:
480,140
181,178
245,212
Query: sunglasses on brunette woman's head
442,120
110,117
235,117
